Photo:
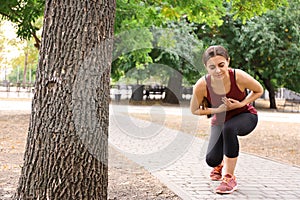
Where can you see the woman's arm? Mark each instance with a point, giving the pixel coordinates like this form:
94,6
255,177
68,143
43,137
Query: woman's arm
197,97
248,82
244,81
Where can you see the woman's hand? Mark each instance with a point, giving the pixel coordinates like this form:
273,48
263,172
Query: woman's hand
232,104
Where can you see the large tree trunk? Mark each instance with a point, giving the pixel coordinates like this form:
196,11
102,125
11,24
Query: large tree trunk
271,91
66,150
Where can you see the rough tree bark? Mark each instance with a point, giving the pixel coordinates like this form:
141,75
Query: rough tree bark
66,150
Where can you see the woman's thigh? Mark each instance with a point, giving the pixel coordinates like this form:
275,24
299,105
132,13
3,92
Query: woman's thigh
242,124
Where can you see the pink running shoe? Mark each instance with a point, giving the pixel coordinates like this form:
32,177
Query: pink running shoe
228,185
216,173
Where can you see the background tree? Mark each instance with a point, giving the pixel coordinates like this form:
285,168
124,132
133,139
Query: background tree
270,46
2,46
9,47
164,13
179,49
266,46
136,14
66,150
143,13
176,48
24,66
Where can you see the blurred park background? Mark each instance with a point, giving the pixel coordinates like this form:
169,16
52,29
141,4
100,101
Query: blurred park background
161,58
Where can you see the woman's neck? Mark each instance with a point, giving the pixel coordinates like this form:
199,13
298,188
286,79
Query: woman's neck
221,86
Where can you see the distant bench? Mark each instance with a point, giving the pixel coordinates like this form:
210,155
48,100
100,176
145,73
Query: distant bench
154,90
293,104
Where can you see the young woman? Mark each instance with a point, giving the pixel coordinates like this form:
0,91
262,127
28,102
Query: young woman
224,89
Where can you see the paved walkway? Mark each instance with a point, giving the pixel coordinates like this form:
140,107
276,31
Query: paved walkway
177,159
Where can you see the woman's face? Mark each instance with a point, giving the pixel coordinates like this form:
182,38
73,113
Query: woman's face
217,67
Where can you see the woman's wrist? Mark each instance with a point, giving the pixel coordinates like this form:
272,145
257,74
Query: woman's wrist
220,109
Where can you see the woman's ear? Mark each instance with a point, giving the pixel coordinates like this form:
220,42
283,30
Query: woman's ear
228,61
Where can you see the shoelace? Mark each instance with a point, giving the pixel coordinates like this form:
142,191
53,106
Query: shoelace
217,170
227,179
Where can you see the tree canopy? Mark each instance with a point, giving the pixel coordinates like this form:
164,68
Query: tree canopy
175,15
144,13
266,46
271,46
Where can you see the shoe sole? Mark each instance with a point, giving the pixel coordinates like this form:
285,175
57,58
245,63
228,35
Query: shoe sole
227,192
215,179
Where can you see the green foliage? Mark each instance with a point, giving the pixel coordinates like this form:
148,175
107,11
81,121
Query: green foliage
131,49
139,15
169,48
178,47
266,46
244,10
156,12
271,46
174,46
135,15
24,14
197,11
144,13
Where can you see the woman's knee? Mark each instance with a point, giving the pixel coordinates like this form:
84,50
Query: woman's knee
229,129
212,161
232,153
229,134
231,143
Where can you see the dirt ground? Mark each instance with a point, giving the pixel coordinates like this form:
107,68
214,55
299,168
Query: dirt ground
277,141
127,180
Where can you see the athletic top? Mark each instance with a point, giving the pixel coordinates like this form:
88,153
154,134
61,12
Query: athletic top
234,93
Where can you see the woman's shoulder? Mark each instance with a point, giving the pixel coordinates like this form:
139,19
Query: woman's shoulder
243,79
236,70
201,83
241,74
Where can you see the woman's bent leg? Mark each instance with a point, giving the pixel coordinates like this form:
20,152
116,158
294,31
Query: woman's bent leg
214,155
240,125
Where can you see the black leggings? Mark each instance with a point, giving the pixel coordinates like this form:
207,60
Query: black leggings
223,138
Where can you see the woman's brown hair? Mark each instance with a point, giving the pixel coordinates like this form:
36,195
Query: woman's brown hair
213,51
